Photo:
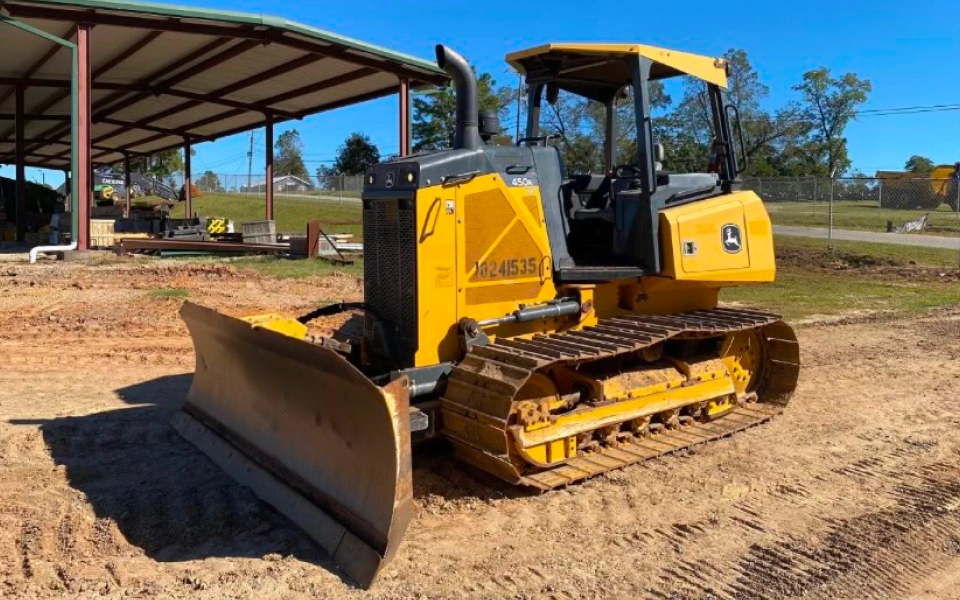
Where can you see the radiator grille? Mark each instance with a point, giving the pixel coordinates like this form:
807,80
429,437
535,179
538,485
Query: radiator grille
390,280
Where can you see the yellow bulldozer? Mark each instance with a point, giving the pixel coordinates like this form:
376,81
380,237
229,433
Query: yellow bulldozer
552,326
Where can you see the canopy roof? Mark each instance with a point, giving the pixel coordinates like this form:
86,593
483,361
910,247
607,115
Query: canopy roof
161,73
598,70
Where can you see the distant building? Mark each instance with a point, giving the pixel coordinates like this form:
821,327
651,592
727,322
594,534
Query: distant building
282,184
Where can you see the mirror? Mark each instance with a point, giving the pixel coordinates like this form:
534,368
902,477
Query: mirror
658,152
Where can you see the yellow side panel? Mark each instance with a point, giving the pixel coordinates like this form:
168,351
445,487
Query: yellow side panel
503,250
724,239
437,276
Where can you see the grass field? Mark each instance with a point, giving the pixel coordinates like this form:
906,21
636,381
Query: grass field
811,281
874,252
291,213
174,293
857,279
865,216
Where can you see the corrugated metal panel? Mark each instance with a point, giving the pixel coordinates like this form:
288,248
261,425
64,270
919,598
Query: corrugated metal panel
172,53
34,98
169,49
193,115
260,60
36,129
359,87
57,68
158,145
20,50
102,129
246,119
7,106
325,69
108,42
150,106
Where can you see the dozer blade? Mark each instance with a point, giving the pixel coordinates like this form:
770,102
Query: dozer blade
308,432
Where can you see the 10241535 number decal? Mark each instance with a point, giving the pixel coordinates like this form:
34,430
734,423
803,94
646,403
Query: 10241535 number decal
507,268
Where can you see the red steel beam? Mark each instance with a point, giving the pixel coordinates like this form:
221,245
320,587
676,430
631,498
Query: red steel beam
196,99
404,117
21,160
143,126
187,180
126,181
85,168
35,81
268,183
40,143
265,104
33,117
230,114
214,97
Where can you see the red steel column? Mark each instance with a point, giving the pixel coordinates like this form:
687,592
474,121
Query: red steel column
85,174
404,117
20,160
126,180
187,180
268,182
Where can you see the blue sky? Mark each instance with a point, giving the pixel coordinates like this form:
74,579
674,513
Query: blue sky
909,51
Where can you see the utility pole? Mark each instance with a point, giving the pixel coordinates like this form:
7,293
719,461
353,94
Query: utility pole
250,165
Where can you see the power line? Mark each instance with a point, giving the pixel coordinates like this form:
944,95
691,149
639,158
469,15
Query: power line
877,112
932,107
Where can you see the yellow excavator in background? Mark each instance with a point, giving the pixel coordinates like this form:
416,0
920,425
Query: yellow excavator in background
551,325
905,189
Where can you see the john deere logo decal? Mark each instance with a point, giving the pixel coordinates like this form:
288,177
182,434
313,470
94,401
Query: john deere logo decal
732,240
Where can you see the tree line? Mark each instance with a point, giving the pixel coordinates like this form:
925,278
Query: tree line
803,137
354,156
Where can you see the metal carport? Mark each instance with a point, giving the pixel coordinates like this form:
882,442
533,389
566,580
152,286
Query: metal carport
152,77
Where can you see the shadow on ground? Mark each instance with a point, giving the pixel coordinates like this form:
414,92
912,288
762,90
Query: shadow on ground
169,499
165,496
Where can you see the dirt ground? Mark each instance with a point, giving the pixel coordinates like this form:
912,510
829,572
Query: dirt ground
853,493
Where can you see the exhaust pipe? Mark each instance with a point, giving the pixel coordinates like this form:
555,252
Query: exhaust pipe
466,135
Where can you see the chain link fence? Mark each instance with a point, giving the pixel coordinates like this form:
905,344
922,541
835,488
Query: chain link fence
915,218
334,187
241,197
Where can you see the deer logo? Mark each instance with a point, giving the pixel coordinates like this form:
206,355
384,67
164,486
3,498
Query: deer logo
731,238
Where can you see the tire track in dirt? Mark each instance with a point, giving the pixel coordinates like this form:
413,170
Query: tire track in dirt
879,554
98,497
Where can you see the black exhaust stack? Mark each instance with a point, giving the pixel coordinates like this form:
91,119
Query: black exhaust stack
467,135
